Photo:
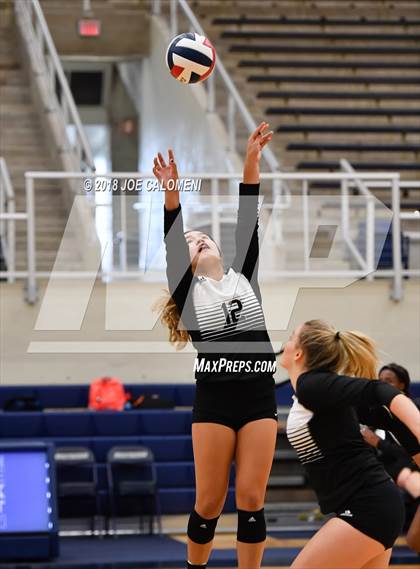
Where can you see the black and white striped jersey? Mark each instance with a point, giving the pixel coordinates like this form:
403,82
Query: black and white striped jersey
299,433
323,427
224,318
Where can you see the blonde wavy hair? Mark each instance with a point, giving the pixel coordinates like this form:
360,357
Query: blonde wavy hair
170,317
344,352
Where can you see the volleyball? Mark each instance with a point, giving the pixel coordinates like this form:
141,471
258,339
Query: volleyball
190,58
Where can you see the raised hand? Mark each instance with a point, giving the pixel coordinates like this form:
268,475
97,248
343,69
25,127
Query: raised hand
164,173
256,143
168,178
257,140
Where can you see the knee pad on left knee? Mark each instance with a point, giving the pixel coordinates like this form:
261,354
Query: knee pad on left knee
251,526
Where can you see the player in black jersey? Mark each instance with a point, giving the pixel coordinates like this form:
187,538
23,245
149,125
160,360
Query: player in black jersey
235,411
398,450
344,471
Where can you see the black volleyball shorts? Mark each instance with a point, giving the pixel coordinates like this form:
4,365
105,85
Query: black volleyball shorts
235,403
377,511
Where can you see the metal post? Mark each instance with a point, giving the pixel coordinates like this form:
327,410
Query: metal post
397,292
211,94
276,190
370,237
215,220
305,205
123,241
2,224
31,291
174,17
65,110
39,36
11,240
345,208
78,150
231,123
51,73
156,7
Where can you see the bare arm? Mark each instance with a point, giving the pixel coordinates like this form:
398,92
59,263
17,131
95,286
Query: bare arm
407,412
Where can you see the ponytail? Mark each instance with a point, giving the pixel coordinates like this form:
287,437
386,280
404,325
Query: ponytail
348,353
170,318
361,355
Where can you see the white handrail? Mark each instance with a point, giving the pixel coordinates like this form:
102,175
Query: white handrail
283,176
413,184
361,186
7,198
370,217
49,61
396,241
32,275
347,178
410,216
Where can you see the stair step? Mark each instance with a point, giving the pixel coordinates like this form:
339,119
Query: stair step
285,455
24,147
286,481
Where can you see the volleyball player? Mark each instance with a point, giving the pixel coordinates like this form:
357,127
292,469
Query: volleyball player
343,470
235,411
397,450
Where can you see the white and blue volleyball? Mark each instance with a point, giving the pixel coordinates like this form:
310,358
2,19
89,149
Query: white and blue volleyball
190,58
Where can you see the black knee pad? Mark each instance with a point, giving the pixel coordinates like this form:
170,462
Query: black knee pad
201,530
251,526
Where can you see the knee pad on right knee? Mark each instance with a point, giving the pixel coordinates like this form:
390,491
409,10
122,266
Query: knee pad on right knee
201,530
251,526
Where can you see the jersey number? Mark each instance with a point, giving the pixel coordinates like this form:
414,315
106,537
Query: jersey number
232,310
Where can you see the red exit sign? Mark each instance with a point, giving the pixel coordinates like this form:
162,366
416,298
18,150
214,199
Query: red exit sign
89,28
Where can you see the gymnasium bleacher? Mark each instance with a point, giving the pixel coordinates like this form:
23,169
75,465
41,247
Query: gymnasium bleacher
333,84
24,145
65,421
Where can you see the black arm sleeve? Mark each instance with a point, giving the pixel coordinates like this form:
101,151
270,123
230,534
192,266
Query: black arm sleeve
328,391
388,448
378,417
247,246
394,458
178,263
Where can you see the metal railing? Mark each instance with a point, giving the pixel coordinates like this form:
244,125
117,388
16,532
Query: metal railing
7,214
8,219
235,103
46,62
368,263
396,226
364,264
